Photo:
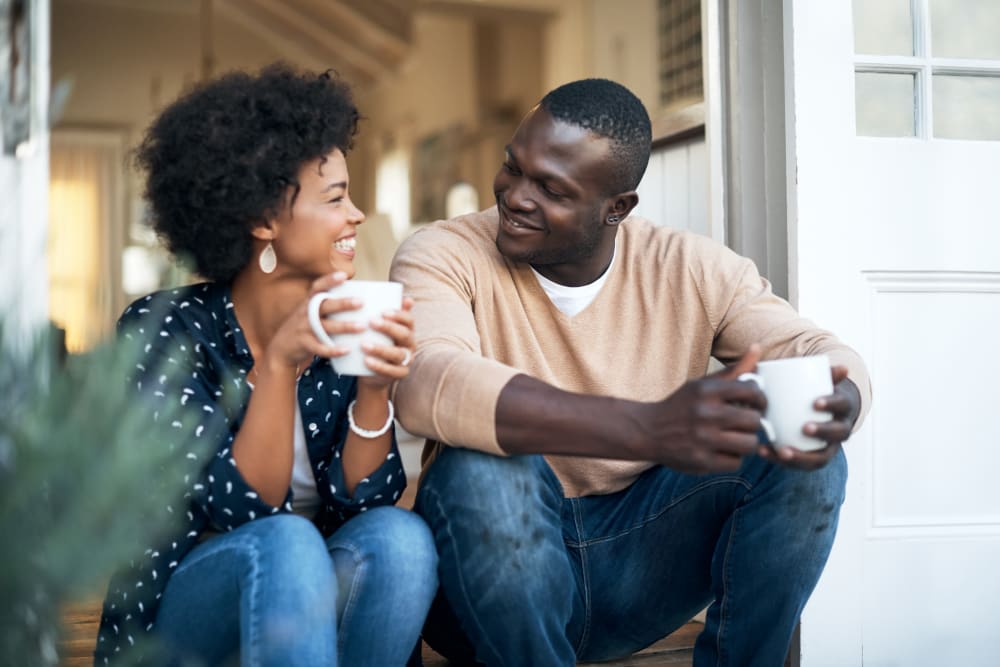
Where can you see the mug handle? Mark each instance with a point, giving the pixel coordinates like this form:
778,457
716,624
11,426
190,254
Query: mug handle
314,320
765,425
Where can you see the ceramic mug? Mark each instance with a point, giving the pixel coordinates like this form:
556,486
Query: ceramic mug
376,298
792,386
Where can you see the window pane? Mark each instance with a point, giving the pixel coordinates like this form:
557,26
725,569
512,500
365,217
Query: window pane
884,104
680,53
883,27
965,29
966,107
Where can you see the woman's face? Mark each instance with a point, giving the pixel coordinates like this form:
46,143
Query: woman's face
316,235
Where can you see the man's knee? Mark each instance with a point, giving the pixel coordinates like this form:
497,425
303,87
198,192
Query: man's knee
486,510
829,483
470,481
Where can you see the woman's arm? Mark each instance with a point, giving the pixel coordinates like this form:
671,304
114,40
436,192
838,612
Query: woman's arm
371,408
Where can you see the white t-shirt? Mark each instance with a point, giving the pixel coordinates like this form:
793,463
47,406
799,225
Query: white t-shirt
572,300
305,497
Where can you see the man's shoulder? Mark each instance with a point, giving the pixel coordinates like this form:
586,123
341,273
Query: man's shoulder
670,247
470,237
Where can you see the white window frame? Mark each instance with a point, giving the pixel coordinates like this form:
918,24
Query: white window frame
923,66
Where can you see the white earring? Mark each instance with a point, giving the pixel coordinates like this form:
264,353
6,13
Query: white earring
268,260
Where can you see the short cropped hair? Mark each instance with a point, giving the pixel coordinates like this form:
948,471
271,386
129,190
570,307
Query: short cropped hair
610,110
220,159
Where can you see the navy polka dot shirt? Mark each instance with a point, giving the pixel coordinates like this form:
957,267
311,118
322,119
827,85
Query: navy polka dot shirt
193,364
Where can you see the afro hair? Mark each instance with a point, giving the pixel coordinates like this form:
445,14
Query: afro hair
220,160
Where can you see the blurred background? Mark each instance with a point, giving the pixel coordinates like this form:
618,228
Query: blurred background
442,84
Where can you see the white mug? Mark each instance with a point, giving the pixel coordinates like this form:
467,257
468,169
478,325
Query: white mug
376,297
792,386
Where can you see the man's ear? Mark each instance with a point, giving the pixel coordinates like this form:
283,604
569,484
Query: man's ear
621,205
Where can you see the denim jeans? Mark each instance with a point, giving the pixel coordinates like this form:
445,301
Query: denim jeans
274,592
529,577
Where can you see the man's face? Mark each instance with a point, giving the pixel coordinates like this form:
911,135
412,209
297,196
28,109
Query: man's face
551,201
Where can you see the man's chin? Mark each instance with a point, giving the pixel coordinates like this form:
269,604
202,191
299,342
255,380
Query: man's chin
510,251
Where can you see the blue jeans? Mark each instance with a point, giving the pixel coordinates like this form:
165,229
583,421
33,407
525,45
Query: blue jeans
274,592
529,577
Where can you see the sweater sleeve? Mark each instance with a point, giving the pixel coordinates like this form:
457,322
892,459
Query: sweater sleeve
745,310
451,392
170,379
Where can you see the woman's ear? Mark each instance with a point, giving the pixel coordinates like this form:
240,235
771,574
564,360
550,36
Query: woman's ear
265,231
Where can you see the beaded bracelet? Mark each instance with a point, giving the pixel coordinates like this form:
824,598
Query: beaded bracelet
363,432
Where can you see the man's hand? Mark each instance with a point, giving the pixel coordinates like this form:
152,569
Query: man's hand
845,405
709,424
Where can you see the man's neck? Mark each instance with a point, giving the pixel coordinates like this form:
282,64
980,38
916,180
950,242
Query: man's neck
584,272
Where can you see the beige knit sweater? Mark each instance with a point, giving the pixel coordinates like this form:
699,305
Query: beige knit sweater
672,300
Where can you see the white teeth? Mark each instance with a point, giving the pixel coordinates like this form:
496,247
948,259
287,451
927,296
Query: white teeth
346,244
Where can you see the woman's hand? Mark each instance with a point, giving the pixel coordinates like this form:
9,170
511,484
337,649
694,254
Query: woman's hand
294,344
390,362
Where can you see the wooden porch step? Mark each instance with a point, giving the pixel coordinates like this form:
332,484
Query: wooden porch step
675,650
80,621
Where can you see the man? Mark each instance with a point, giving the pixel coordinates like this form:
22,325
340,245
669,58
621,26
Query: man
589,488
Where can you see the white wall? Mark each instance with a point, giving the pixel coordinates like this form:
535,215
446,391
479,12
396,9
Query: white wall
674,190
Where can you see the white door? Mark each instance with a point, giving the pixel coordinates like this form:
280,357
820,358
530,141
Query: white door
893,112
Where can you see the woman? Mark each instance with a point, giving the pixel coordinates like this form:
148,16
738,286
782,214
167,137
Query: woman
289,551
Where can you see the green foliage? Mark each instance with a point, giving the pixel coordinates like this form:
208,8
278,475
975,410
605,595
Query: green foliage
84,478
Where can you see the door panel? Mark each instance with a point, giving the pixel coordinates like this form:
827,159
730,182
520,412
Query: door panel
894,243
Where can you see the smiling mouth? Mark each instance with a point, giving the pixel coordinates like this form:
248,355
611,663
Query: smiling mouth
346,245
517,223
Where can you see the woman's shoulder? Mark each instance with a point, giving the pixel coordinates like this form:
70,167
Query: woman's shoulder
198,297
177,308
177,316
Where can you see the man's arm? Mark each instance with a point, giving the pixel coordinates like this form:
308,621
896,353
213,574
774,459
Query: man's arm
451,392
708,425
457,396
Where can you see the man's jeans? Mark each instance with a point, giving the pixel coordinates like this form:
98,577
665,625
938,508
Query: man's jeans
273,592
533,578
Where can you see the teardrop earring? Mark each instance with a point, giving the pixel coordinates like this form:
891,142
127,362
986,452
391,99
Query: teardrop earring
268,261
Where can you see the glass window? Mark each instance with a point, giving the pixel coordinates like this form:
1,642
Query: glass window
884,104
965,28
680,53
966,107
883,27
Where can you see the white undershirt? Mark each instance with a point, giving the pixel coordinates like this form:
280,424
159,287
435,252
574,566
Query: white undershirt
572,300
305,498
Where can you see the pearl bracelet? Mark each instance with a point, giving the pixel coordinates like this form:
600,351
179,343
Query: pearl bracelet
363,432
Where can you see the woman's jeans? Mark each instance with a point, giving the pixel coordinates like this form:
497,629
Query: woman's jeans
274,592
529,577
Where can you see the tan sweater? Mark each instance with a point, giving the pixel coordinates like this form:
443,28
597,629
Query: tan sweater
671,300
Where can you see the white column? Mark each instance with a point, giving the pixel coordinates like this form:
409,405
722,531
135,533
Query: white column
24,195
